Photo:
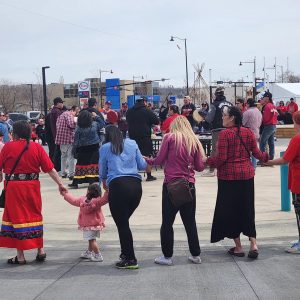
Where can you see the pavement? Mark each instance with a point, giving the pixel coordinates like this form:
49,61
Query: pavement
274,275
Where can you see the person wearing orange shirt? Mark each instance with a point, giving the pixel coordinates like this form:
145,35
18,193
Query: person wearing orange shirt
106,109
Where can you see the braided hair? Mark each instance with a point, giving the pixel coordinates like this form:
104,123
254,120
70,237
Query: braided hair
235,112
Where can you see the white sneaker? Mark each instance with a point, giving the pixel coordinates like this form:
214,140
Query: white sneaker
295,248
86,254
97,257
162,260
195,259
208,173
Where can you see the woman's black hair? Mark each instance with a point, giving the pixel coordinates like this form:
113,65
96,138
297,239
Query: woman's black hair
115,137
251,102
93,191
240,100
174,108
235,112
22,130
85,119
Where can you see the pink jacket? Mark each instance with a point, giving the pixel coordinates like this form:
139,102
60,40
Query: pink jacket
90,214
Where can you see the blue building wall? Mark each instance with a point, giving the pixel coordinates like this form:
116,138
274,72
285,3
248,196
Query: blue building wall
155,99
113,92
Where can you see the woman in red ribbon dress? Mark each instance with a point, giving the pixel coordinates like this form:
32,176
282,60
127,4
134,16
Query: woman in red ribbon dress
22,220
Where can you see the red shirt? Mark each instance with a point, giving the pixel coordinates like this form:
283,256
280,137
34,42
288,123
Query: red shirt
232,160
33,160
292,107
270,114
282,108
292,155
166,124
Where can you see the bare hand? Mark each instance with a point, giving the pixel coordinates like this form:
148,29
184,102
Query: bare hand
104,186
62,189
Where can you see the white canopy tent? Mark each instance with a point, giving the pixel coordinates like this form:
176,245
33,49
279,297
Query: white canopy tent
285,91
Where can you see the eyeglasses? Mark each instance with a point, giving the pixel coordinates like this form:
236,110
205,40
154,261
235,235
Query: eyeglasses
204,104
2,115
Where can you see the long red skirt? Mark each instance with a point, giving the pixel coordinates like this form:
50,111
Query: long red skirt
22,220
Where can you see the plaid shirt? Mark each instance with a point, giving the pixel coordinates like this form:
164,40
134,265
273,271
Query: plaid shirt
233,160
65,129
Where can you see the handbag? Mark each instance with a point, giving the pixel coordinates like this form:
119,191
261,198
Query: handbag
180,191
2,196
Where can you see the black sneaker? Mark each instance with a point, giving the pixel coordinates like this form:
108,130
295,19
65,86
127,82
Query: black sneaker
127,264
151,178
73,186
71,177
122,257
64,176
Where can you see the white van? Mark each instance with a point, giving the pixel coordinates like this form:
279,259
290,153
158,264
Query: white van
33,115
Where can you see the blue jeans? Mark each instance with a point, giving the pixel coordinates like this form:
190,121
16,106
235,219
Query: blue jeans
253,161
267,136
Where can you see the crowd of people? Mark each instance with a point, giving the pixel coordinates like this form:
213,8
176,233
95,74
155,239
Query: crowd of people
108,148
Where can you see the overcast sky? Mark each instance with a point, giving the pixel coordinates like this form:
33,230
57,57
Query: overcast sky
131,37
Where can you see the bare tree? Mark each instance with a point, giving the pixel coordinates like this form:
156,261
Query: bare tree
8,93
289,76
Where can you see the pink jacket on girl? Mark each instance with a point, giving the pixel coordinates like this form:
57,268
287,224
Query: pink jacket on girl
90,214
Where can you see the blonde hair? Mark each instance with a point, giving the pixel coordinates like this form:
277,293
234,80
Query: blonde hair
182,130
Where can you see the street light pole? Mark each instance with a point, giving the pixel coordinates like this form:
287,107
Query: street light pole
31,90
254,73
186,62
45,90
102,71
133,87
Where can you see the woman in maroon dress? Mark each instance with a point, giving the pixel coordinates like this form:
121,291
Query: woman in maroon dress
22,220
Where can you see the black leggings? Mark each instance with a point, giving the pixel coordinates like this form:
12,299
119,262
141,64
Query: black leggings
124,197
187,213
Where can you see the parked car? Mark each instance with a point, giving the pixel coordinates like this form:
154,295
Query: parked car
33,115
18,116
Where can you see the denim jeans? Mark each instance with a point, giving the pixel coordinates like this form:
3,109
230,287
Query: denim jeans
267,136
253,161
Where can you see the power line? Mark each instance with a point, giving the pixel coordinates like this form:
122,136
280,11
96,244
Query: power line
89,28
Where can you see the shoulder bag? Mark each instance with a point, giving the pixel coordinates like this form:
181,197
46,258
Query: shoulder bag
2,196
179,191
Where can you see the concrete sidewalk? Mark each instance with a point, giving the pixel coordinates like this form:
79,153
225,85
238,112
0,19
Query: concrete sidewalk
64,276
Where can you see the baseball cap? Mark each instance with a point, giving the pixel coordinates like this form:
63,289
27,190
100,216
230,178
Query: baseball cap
108,102
267,94
57,100
142,98
219,90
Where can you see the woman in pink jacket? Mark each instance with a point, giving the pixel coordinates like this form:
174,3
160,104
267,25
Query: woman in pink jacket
182,154
90,219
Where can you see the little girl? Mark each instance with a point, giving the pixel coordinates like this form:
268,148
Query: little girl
90,219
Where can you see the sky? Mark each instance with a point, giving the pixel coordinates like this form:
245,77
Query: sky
76,39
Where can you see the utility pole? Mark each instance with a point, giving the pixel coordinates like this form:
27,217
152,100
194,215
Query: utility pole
45,90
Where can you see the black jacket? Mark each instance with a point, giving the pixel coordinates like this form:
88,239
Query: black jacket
214,115
140,120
